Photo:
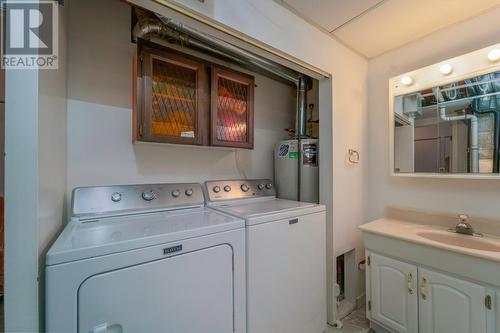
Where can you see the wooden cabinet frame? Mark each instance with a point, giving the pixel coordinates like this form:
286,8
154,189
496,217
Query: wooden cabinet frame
248,81
206,108
142,114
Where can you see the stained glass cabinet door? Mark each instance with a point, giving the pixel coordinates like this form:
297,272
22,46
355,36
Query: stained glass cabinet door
232,113
176,98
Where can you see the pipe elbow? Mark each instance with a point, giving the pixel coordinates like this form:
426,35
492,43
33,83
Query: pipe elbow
147,28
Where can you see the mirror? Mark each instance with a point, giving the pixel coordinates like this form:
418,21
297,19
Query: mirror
449,129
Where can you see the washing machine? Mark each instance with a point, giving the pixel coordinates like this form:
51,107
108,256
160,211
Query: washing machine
285,255
146,258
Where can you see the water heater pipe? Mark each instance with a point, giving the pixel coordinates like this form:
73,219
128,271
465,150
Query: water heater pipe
302,106
474,136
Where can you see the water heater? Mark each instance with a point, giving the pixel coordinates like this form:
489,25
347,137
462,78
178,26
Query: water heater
288,162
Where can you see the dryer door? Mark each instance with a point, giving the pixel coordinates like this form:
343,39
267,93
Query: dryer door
187,293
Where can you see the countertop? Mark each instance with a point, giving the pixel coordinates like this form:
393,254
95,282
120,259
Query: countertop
407,231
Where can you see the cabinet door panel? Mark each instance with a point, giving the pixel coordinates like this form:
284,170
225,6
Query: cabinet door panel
393,294
171,96
450,305
496,307
232,109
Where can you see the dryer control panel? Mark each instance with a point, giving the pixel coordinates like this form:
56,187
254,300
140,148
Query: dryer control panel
122,199
220,190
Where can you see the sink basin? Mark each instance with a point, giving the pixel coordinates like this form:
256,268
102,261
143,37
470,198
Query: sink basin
469,242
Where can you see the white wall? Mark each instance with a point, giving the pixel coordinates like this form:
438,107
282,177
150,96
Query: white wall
99,149
475,197
21,215
35,183
52,106
342,103
99,113
52,144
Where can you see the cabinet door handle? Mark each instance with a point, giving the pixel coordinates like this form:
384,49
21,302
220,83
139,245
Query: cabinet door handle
409,281
423,285
487,302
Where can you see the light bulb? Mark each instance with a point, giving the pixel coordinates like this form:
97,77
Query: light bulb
406,80
494,55
446,69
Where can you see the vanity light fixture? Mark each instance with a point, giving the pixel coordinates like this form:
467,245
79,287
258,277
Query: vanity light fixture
494,55
407,80
446,69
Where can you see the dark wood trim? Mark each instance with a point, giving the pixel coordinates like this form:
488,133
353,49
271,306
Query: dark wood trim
207,76
202,87
135,99
247,80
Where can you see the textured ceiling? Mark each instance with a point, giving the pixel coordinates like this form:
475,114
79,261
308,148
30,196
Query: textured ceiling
372,27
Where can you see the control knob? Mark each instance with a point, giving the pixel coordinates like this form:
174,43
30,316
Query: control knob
269,186
189,192
227,188
176,193
115,197
260,186
216,189
245,188
148,195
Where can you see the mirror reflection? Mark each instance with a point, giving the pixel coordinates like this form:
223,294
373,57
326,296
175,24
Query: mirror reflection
452,128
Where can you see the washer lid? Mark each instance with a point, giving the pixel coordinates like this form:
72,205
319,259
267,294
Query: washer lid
118,234
255,212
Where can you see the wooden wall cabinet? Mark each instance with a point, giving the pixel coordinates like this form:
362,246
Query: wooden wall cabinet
232,109
171,98
180,99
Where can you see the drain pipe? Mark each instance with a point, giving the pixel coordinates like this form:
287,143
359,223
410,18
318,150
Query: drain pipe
474,136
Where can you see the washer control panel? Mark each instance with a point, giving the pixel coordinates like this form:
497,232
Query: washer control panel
120,199
220,190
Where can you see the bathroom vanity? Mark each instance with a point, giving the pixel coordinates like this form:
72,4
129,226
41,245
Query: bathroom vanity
422,277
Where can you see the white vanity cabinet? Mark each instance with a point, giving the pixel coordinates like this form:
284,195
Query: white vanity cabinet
448,304
494,315
394,298
406,298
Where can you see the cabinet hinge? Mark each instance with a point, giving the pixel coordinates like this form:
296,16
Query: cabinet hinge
368,261
369,305
487,302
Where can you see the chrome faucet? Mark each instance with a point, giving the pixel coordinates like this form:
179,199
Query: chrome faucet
463,227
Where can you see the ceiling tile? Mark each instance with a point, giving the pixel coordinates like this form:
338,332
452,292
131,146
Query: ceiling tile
331,14
397,22
386,24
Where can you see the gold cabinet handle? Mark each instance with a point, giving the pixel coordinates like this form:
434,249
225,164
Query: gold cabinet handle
487,302
409,281
423,285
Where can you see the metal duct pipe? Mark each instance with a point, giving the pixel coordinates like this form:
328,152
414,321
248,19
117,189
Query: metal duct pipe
148,27
474,131
234,51
301,106
474,136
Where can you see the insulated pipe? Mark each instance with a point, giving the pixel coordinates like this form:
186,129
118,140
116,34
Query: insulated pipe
148,27
166,28
474,136
234,51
